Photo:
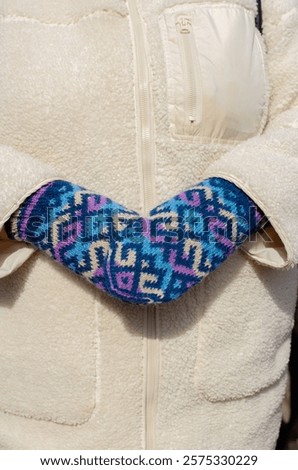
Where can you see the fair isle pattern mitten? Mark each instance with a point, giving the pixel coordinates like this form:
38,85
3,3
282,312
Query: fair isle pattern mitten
185,239
140,260
71,225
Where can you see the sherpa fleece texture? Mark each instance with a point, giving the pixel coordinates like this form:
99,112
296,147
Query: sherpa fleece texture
19,179
79,370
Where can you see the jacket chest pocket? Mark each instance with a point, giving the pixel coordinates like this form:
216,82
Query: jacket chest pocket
216,75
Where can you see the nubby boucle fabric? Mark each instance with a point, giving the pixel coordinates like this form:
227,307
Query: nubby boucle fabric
137,259
79,368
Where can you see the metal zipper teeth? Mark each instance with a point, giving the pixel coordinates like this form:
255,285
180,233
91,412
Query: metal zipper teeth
147,156
189,64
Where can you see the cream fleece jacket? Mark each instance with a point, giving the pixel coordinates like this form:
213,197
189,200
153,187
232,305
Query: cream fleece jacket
98,92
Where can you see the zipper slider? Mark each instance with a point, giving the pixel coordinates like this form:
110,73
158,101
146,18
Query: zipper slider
183,24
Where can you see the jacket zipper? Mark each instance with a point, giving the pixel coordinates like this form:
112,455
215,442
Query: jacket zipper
146,152
152,376
192,86
144,109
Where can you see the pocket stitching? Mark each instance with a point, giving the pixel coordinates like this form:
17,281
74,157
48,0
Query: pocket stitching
30,416
204,391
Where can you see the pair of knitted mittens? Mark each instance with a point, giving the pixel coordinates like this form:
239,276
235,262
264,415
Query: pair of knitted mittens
137,259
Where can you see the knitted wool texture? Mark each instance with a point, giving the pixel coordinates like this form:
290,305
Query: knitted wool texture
137,259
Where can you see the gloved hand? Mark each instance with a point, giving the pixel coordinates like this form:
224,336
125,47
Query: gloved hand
137,259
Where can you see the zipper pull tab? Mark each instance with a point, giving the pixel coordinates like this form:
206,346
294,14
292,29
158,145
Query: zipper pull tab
183,24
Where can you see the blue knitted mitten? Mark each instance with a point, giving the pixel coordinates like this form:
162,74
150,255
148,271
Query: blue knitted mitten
137,259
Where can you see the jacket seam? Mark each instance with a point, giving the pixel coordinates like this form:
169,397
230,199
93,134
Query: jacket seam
232,5
78,19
